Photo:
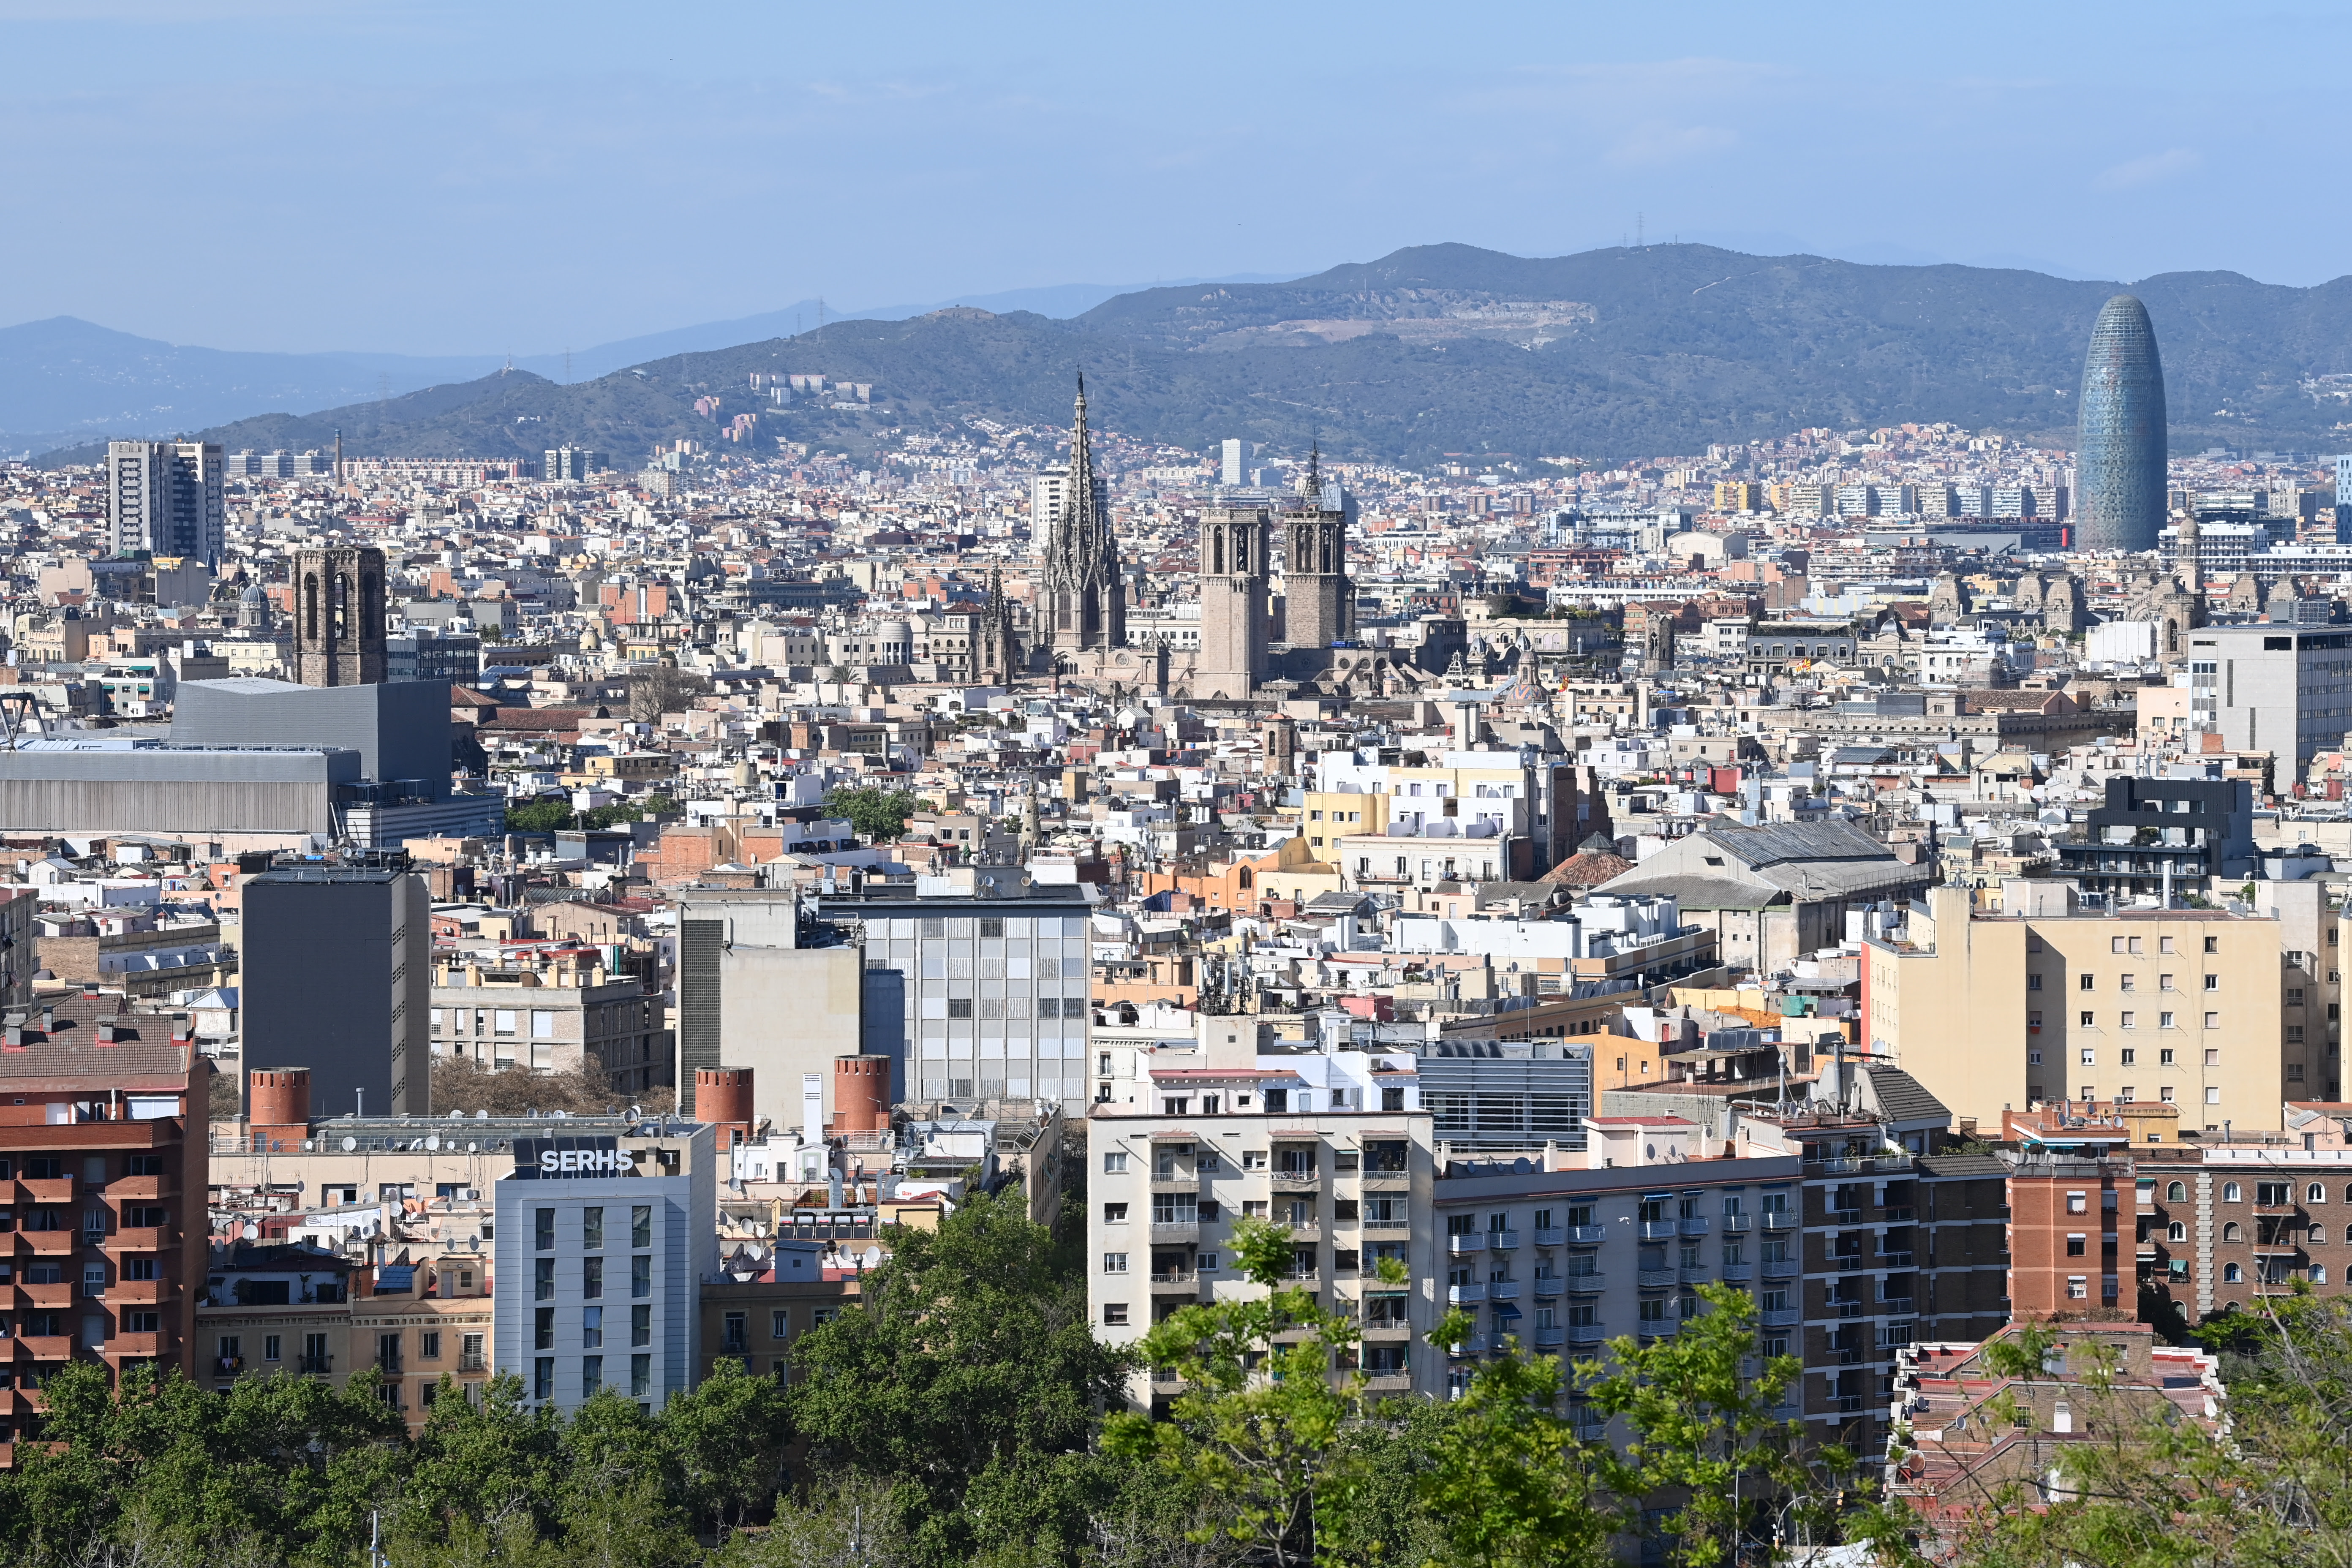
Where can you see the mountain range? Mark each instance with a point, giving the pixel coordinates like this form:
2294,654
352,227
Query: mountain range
64,380
1602,355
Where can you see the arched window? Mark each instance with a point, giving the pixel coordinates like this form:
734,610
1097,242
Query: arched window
310,606
2319,1274
2231,1232
2176,1232
2231,1272
2315,1236
2315,1194
2178,1193
1242,881
2229,1193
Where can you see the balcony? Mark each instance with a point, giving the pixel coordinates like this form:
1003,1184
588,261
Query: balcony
1385,1181
323,1364
46,1347
1779,1219
1502,1290
134,1189
1735,1224
1894,1260
1781,1318
1550,1338
1587,1284
1464,1295
1175,1184
1502,1240
1693,1226
50,1243
1185,1283
1386,1226
1387,1382
58,1190
1176,1230
1549,1237
1781,1267
132,1239
1459,1245
1296,1181
1699,1275
1587,1235
1660,1229
134,1346
1308,1234
1656,1279
1737,1273
1547,1286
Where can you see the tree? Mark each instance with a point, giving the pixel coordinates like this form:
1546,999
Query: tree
1704,1433
461,1083
970,1355
1260,1423
663,690
1510,1486
539,817
879,815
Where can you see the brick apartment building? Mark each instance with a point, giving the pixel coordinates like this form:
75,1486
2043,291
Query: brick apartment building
98,1179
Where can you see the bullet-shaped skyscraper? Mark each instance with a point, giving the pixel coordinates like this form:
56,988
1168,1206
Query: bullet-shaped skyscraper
2120,460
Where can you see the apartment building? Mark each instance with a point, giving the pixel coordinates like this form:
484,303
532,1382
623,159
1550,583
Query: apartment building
550,1010
2054,998
1894,1237
1566,1259
403,1328
1340,1153
98,1179
1534,810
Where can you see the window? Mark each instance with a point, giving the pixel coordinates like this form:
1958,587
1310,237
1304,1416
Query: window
2163,1021
641,1325
2077,1287
641,1226
543,1279
2163,983
2314,1194
592,1373
2090,1056
1114,1213
641,1375
592,1229
544,1230
2126,983
2212,983
2231,1272
2315,1236
592,1279
1114,1313
2230,1192
1114,1263
2212,1097
2163,944
428,1345
2085,1019
2176,1231
2078,1203
2115,944
2212,944
780,1323
2212,1020
1115,1163
2126,1020
2076,1245
542,1329
2178,1193
641,1276
2087,982
542,1377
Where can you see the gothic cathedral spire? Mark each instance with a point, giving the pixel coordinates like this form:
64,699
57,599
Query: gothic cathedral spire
1083,577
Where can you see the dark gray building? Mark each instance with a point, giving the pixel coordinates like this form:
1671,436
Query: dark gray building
338,978
2196,829
2119,458
454,660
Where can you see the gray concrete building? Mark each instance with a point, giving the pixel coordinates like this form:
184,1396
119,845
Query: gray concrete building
164,498
605,1237
755,990
337,961
2268,687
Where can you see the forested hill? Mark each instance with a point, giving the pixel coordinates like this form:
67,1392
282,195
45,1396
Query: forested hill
1605,355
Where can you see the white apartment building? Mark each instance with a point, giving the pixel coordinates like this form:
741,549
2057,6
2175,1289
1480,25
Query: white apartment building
1334,1146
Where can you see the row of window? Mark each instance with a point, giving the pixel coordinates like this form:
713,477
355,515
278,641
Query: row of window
592,1278
2089,1019
592,1376
2128,980
499,1021
592,1228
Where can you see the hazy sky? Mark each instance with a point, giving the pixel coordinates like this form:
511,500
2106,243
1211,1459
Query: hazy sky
443,177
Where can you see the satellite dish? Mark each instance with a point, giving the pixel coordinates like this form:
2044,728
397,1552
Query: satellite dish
473,1148
251,1231
350,1144
434,1143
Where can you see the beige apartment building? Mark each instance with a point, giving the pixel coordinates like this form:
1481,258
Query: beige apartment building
2047,999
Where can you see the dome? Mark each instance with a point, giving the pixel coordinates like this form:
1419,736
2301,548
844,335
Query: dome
252,595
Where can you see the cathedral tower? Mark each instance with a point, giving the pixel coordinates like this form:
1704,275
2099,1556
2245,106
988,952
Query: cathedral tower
1317,606
339,636
1232,660
996,652
1086,602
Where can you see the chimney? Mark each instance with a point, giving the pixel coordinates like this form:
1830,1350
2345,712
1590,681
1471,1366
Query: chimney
106,1034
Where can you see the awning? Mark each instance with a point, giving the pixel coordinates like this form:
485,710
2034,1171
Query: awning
1505,1311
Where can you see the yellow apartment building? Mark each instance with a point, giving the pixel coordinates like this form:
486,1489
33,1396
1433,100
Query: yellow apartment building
2046,1000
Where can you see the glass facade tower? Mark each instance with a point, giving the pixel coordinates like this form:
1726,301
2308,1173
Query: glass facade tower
2119,460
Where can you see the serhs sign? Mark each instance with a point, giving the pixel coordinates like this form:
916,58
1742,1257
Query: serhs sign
572,1158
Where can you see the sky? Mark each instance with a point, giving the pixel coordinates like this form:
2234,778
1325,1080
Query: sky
467,178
